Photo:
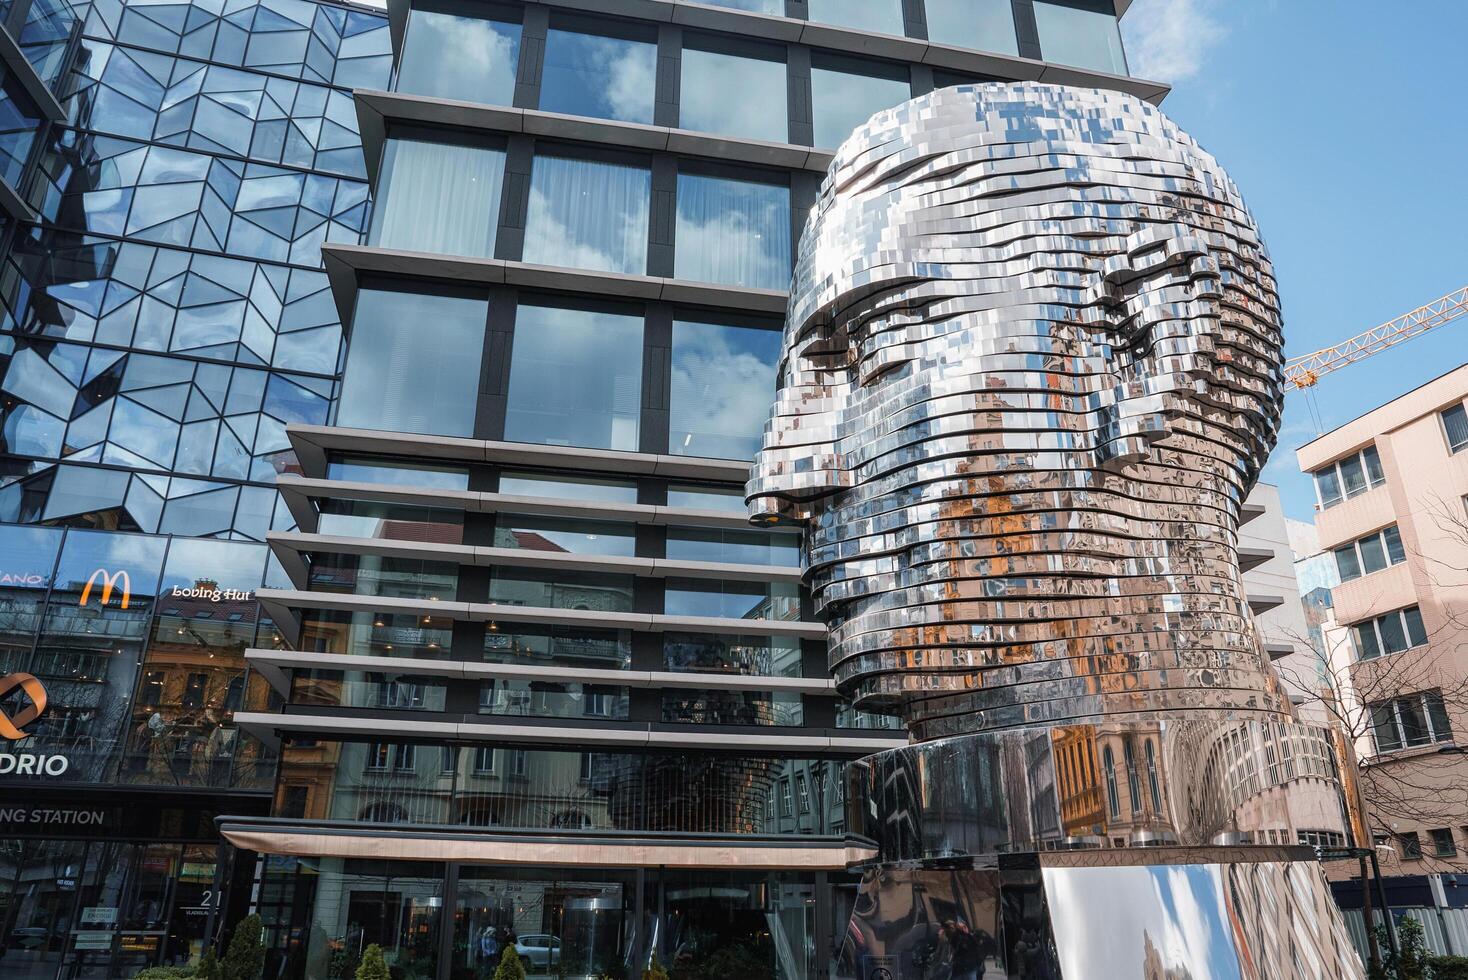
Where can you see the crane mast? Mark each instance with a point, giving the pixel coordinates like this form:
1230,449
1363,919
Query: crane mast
1307,369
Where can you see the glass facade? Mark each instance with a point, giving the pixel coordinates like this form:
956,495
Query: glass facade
846,93
408,371
438,197
1080,33
987,25
733,231
709,75
590,72
879,16
450,56
723,379
589,214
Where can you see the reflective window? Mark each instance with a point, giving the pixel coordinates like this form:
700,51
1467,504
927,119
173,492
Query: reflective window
367,634
1072,34
987,25
693,707
551,699
757,6
361,469
588,214
732,600
413,363
18,124
575,537
1348,477
594,74
561,590
377,575
1370,554
557,646
691,497
1418,719
881,16
740,547
761,656
373,519
845,93
438,197
723,380
27,559
575,378
732,231
1399,630
472,59
568,487
709,77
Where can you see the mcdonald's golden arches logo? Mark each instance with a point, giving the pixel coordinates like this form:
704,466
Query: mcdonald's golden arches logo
11,725
109,580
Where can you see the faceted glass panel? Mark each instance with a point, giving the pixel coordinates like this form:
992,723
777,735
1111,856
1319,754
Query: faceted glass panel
723,380
760,112
843,100
735,232
600,76
471,59
987,25
568,487
564,536
1073,35
588,214
438,197
414,363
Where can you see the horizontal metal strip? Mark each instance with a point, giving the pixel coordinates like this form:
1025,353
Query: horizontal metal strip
346,263
542,851
273,663
270,726
301,491
289,546
475,612
312,444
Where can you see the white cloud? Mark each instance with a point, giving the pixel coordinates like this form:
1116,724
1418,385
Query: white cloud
1170,40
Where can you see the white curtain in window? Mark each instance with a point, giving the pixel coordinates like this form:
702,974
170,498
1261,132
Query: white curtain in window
735,232
588,215
438,197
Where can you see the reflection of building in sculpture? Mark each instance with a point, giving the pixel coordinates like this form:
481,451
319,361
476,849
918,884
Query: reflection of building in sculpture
1111,783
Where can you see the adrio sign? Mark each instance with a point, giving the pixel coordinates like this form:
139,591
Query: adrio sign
27,702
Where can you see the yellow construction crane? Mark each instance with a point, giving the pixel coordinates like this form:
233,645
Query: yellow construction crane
1304,371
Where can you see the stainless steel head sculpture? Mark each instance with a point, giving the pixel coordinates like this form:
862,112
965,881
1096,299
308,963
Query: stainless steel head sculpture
1031,368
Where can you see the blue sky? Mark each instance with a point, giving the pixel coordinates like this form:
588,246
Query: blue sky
1341,121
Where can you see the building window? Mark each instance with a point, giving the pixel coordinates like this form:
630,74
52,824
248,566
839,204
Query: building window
802,792
1417,719
987,25
382,756
1152,784
597,703
601,71
438,197
448,760
294,801
1443,845
723,380
588,214
1399,630
586,766
786,803
575,378
732,231
1113,800
1133,786
472,59
846,92
709,76
483,761
1348,477
776,7
1082,33
519,762
413,363
1455,424
1411,846
1370,554
878,16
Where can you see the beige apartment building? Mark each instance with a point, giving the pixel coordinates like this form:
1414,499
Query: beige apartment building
1392,510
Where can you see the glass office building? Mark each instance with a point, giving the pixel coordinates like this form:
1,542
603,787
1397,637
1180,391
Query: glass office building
379,388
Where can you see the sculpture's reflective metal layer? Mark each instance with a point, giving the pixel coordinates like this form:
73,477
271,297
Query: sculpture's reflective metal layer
1032,367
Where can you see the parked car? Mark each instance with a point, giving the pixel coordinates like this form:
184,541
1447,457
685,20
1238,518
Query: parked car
539,949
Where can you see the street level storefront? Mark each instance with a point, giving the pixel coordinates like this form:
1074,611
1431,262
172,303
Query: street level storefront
121,668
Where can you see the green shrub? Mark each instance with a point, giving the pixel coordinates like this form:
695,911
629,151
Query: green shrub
655,971
510,967
373,966
165,973
208,968
245,958
1447,967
